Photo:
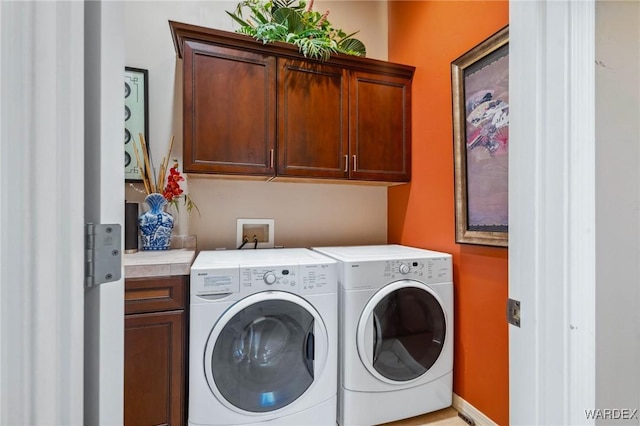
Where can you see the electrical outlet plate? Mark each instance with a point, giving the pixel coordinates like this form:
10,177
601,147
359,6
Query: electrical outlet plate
262,229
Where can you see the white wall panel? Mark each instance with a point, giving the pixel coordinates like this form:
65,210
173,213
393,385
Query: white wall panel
617,71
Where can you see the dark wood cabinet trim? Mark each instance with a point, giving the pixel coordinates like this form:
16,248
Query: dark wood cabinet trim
182,32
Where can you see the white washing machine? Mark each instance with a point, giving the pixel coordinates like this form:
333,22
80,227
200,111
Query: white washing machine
263,338
395,332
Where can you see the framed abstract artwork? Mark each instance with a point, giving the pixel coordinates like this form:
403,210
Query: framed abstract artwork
136,119
480,93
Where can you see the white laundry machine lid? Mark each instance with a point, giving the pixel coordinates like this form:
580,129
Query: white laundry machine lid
282,256
377,252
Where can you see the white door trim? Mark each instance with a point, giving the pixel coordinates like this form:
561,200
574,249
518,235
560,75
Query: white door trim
552,211
41,214
104,203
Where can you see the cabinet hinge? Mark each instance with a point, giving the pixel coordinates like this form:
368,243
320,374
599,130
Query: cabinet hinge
103,258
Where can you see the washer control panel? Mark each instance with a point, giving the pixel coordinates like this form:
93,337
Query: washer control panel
270,278
301,279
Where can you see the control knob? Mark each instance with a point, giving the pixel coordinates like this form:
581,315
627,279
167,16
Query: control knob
404,268
270,278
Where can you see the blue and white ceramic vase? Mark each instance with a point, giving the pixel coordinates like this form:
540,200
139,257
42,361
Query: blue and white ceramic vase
156,225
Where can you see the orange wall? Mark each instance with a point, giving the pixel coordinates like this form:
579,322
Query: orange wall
430,35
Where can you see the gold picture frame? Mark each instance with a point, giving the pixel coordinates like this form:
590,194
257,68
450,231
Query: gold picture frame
480,95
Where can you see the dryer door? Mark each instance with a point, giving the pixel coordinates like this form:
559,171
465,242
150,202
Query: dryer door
401,331
265,351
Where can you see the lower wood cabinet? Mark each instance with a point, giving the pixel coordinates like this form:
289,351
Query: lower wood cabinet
155,346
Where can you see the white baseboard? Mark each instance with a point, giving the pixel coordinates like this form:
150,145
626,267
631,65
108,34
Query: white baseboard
462,406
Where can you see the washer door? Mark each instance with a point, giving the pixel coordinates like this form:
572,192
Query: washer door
401,332
265,351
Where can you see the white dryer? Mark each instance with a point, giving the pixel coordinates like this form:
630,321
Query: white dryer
263,338
395,332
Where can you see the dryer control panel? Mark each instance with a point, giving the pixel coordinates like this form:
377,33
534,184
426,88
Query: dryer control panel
429,270
375,274
400,268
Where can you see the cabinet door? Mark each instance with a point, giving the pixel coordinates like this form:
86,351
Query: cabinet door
380,127
154,369
313,120
229,110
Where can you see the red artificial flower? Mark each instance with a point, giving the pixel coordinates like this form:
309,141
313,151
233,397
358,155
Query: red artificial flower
173,186
172,190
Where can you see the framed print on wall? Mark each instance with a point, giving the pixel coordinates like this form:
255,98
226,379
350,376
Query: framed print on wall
136,119
480,93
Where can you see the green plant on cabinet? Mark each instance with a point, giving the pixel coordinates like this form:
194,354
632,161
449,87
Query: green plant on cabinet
295,22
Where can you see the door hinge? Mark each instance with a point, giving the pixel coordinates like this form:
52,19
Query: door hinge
103,258
513,312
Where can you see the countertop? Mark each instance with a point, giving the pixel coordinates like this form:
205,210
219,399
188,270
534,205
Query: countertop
144,264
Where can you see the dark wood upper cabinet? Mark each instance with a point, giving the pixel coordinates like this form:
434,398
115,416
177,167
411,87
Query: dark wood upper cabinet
313,119
380,130
229,110
265,110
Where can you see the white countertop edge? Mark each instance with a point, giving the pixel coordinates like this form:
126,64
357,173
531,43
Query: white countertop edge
158,263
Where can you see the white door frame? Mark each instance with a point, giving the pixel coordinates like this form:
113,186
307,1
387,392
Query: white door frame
41,214
48,51
104,203
552,211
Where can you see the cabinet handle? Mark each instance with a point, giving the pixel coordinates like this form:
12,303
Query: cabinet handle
346,163
271,158
355,164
